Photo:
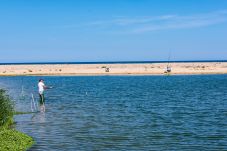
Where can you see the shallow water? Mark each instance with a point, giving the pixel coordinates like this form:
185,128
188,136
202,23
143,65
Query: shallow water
125,112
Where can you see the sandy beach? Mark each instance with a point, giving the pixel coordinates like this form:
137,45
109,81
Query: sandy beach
114,69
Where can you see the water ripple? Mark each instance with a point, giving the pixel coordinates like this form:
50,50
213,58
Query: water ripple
126,112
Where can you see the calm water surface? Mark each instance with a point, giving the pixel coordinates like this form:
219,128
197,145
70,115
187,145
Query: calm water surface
125,112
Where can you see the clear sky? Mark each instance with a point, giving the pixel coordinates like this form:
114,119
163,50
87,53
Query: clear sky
112,30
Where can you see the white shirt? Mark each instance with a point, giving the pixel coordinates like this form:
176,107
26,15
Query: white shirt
41,86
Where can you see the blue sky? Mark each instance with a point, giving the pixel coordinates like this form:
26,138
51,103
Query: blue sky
112,30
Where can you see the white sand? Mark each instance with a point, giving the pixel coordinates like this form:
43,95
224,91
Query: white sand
114,69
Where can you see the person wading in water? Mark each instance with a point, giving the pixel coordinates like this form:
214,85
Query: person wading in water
42,88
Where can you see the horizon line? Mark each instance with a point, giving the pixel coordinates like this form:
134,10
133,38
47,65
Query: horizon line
108,62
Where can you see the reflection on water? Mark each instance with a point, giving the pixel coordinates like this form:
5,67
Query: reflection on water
38,117
125,112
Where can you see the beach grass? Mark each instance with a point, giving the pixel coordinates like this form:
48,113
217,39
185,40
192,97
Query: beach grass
10,139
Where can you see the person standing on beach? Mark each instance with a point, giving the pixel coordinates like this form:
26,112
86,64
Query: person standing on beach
42,88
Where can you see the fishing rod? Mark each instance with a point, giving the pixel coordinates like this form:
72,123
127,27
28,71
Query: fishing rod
168,68
169,58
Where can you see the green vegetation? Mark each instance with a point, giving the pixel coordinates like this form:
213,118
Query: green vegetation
13,140
6,109
10,139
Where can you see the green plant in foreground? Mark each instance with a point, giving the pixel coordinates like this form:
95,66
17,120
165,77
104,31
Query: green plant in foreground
6,109
10,139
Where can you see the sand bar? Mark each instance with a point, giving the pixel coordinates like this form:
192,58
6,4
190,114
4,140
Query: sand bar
114,69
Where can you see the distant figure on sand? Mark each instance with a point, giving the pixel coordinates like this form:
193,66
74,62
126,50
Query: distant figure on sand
42,87
168,70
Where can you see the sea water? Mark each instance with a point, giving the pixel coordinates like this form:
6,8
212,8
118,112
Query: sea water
186,112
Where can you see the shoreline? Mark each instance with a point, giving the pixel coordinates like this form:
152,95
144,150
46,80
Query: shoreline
189,68
134,74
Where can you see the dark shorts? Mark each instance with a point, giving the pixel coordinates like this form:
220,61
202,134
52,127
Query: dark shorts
41,99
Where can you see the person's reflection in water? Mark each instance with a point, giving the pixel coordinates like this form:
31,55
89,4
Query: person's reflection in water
42,118
38,117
